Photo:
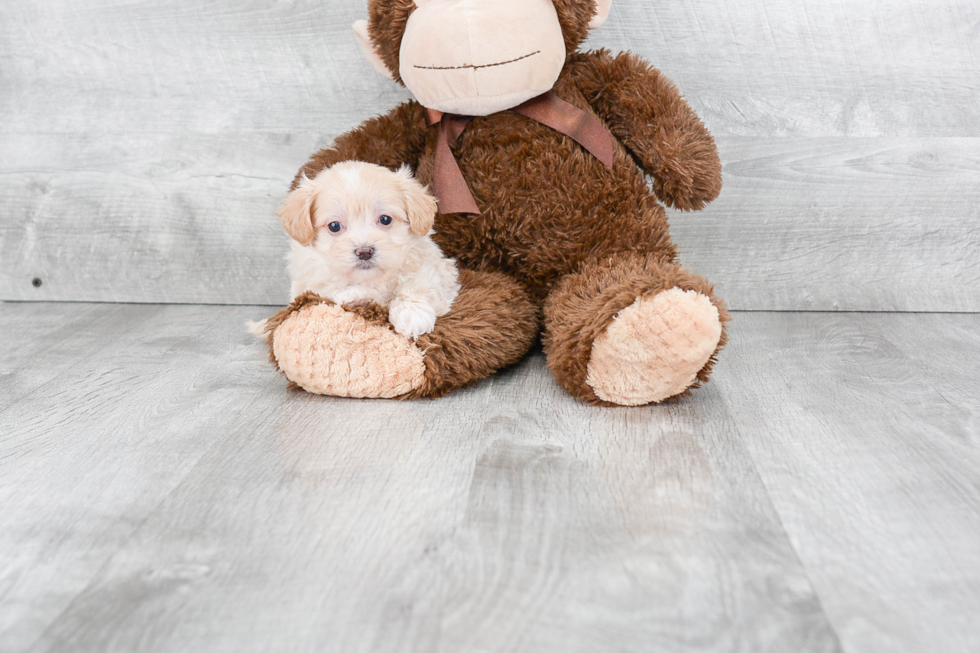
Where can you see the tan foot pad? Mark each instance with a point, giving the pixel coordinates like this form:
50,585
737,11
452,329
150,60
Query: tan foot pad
654,348
329,351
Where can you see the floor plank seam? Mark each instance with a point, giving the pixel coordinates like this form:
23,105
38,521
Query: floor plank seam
782,526
274,307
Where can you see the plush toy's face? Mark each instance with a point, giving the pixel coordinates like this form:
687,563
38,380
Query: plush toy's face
476,57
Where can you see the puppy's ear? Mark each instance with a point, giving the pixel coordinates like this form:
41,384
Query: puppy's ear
420,205
297,213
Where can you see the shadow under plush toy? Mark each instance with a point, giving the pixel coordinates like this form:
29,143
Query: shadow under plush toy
538,154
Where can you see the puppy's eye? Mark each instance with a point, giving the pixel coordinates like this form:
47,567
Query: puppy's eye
385,220
335,227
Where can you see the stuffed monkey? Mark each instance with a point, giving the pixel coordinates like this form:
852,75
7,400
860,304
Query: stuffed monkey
539,156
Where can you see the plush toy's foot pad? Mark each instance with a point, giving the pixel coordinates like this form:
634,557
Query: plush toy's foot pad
654,348
327,350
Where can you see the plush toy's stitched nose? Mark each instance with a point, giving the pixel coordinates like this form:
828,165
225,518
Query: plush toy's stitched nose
364,253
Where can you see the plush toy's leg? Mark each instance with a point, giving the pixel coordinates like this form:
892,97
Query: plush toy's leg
353,352
492,325
632,330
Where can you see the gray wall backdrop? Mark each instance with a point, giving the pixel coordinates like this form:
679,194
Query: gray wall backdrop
145,145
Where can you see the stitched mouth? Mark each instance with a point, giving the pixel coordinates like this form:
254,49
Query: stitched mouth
477,67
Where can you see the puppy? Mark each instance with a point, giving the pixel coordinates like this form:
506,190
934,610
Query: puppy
361,234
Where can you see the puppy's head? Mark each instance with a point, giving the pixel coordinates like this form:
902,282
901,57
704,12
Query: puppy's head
363,218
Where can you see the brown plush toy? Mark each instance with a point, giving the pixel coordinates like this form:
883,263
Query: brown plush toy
538,154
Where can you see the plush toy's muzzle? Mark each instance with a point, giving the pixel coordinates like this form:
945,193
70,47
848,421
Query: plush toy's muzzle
474,57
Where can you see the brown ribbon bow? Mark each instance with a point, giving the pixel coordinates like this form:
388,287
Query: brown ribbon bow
448,184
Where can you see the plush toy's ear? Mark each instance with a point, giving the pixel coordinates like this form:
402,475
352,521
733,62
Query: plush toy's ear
361,32
602,13
297,213
420,205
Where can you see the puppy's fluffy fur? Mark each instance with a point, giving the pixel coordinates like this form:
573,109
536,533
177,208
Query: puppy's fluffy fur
361,234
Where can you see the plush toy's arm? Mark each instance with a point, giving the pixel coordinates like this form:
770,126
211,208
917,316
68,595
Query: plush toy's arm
645,111
389,140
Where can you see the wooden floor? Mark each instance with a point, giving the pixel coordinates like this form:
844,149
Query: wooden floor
160,490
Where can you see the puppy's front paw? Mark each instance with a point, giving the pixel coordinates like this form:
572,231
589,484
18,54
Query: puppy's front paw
412,320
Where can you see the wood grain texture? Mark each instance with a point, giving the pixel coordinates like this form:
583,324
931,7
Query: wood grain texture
168,494
814,68
842,224
173,496
865,430
143,147
816,224
99,421
750,67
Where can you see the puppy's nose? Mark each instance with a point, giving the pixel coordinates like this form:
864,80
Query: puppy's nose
364,253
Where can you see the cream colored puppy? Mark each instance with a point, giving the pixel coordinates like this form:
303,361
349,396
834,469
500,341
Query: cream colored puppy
361,234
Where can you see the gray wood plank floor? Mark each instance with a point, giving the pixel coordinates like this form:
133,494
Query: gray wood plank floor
162,491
